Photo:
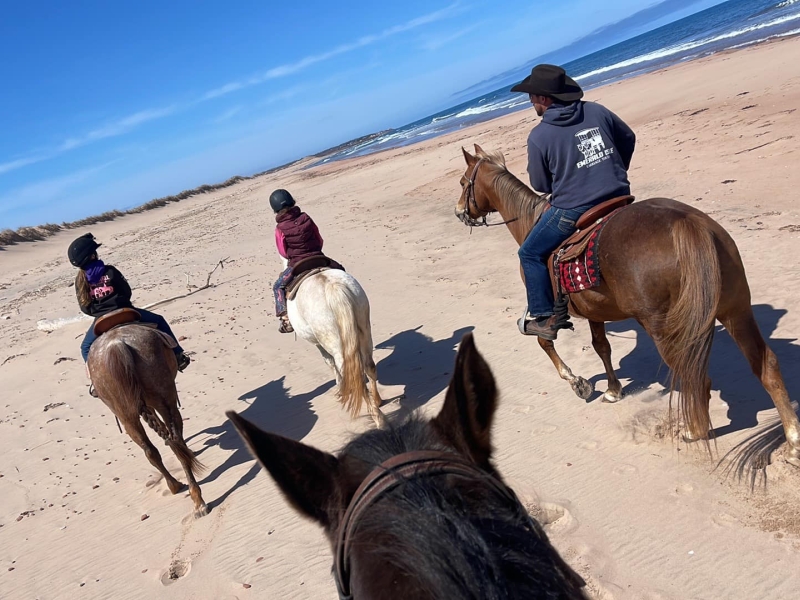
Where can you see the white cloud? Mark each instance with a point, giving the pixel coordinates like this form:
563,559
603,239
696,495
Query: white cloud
111,129
304,63
127,124
21,162
45,191
434,43
228,114
118,127
222,91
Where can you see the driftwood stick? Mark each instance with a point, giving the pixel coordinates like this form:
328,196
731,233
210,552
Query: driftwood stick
52,325
219,265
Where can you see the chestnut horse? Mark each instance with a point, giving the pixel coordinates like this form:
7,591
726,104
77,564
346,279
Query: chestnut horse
419,510
667,265
133,369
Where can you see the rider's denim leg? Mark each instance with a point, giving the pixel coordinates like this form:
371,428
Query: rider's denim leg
87,342
556,225
161,324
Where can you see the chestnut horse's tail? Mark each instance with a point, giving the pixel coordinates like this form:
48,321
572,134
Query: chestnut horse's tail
344,304
689,326
121,365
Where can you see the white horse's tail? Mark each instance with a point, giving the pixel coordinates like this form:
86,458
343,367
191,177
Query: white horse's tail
344,304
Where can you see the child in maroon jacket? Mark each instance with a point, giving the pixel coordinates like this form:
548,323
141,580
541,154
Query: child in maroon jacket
297,238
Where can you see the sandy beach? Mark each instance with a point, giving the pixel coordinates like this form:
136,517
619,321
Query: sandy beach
638,515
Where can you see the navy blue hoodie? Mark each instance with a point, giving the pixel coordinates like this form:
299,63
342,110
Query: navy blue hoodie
580,153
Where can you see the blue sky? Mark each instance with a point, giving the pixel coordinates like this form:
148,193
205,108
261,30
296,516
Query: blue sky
109,104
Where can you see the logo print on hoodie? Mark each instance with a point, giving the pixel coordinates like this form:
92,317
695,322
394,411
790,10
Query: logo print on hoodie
592,146
102,289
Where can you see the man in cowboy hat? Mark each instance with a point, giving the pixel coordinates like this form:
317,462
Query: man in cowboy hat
580,154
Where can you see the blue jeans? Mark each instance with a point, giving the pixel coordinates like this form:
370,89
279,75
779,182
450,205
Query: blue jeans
556,225
147,317
280,292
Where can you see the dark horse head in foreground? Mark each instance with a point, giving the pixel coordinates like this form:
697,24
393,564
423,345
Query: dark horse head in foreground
133,369
419,511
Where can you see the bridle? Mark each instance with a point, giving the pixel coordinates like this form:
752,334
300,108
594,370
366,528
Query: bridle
469,198
392,473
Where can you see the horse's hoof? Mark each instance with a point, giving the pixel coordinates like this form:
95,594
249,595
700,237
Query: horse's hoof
201,512
610,397
793,457
582,388
175,487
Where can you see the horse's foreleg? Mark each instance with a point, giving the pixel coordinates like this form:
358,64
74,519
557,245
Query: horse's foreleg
603,349
134,428
744,330
582,388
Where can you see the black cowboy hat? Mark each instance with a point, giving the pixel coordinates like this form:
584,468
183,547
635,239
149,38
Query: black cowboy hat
552,81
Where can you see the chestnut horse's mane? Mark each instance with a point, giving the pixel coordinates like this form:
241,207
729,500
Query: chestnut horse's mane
520,200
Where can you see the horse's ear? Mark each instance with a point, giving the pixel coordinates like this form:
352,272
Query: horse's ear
468,410
479,151
471,160
305,475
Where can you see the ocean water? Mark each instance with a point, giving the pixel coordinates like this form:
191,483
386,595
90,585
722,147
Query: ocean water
732,24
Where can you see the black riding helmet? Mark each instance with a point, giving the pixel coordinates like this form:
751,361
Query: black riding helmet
81,250
280,199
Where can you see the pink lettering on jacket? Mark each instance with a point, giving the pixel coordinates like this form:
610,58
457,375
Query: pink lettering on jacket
101,289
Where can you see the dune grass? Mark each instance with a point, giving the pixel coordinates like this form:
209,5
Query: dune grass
10,237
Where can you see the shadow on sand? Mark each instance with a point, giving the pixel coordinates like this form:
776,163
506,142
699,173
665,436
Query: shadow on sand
273,409
420,363
730,374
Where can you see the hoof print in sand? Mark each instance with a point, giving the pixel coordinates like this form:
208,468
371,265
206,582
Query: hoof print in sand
178,569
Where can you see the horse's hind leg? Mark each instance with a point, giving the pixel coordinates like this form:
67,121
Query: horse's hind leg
374,406
745,332
365,336
366,347
582,388
133,426
331,362
186,457
603,349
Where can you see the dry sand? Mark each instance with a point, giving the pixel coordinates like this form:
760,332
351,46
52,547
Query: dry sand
640,517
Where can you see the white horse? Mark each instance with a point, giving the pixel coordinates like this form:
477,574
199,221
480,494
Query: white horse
331,310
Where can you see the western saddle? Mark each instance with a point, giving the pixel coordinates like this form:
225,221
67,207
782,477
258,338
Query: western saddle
575,244
307,267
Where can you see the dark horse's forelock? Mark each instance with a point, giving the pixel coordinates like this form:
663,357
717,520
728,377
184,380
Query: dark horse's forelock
377,445
419,525
461,540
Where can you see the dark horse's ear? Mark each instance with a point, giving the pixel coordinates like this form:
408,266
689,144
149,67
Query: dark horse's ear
468,157
305,475
466,416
